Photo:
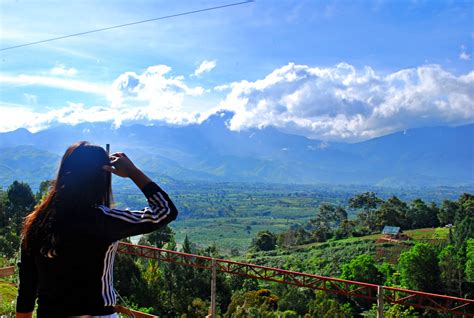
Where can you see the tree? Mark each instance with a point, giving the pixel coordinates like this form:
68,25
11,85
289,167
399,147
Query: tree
159,237
43,190
466,207
469,268
324,306
345,229
187,246
368,203
327,218
293,298
9,242
20,202
419,268
362,269
422,215
197,309
129,281
265,241
464,230
15,204
392,212
447,212
451,270
260,303
3,216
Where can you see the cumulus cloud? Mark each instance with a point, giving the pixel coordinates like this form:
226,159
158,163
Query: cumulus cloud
206,66
330,103
155,95
346,103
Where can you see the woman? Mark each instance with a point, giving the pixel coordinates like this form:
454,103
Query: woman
69,241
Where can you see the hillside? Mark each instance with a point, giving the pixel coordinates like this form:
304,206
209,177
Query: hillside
326,258
210,152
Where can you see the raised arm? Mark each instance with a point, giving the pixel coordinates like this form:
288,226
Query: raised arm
124,223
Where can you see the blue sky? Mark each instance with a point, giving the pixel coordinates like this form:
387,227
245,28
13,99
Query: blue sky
335,70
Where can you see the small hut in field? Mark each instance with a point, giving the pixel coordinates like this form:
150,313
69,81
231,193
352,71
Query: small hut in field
393,233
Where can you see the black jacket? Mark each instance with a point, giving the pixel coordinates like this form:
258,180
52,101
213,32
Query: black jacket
79,279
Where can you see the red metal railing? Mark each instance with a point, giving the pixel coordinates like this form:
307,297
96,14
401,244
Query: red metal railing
417,299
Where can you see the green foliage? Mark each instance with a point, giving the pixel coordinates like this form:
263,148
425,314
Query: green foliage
296,235
419,269
9,242
265,241
293,298
43,190
464,221
451,270
15,204
20,202
469,268
466,207
363,269
289,314
327,218
197,309
367,202
130,282
447,212
169,289
260,303
393,311
159,237
392,277
393,212
422,215
7,299
324,306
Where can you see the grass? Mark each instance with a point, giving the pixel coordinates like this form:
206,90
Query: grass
440,233
8,295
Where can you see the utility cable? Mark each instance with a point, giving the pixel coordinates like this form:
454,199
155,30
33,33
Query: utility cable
128,24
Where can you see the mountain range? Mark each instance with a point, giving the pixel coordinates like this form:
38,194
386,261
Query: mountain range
431,156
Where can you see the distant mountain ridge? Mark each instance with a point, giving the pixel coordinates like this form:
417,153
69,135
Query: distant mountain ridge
210,151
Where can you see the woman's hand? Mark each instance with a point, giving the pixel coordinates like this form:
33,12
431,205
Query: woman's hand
121,165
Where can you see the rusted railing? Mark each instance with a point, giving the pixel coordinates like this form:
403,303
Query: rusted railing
380,294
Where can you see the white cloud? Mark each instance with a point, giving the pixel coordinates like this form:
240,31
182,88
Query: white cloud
333,103
464,55
345,103
220,88
206,66
155,95
55,82
61,70
16,116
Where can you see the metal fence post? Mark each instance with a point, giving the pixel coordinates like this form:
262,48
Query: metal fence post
213,288
380,313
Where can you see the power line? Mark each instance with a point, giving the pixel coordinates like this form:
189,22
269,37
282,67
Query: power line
128,24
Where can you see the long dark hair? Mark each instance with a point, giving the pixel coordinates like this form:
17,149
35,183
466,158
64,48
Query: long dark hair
81,182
